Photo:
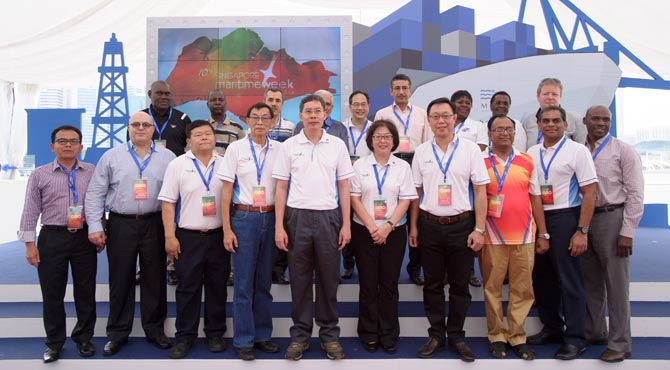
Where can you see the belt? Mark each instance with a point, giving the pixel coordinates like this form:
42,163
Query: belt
203,232
141,216
609,208
242,207
63,228
561,210
445,220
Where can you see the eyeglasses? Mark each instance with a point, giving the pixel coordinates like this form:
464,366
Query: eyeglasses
309,112
264,119
382,137
62,141
359,105
138,124
500,130
445,116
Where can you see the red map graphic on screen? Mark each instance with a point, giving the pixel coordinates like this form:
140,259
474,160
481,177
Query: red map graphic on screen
241,66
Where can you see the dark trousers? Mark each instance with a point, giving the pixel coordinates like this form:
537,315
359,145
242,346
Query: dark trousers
348,255
280,261
313,251
557,282
379,269
58,249
444,248
203,260
126,239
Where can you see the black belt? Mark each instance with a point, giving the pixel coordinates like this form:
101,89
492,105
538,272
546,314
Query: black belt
141,216
445,220
561,210
64,228
608,208
203,232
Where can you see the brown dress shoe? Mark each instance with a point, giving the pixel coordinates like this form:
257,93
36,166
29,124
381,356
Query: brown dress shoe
610,355
464,352
428,349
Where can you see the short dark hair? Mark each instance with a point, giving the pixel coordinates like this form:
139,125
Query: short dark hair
351,96
382,123
401,77
549,109
502,92
459,94
495,117
195,124
260,105
65,128
272,89
312,97
442,100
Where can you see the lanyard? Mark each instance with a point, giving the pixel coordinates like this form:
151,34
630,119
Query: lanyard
495,169
259,168
137,161
601,146
351,134
160,130
220,123
545,169
72,181
539,137
380,184
277,130
439,162
404,123
458,128
209,178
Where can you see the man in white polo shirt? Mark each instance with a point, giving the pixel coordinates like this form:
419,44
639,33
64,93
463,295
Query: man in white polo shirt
568,186
446,226
311,227
197,244
412,124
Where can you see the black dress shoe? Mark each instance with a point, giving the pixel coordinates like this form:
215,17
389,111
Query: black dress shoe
50,355
279,278
180,350
172,278
390,348
464,352
428,349
474,281
160,341
216,344
137,277
416,279
371,346
112,347
267,347
348,273
568,352
246,354
543,338
86,349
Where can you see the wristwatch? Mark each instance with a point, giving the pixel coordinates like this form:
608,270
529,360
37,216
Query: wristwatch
583,229
391,223
481,231
543,236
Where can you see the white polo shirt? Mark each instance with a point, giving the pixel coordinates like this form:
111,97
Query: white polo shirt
472,130
466,166
357,145
239,167
398,184
183,180
572,167
313,170
418,130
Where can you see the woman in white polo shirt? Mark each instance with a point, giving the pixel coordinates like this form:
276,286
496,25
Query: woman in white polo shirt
381,190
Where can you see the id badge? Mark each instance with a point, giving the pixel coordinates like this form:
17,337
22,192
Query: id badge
74,217
403,146
208,205
161,143
354,158
258,196
496,205
380,209
547,194
140,190
444,195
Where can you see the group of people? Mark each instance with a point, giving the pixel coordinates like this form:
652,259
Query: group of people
549,203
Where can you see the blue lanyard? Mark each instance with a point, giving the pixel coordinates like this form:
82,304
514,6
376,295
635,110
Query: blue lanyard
601,146
351,134
545,169
160,130
539,137
137,162
439,162
259,168
404,123
328,123
72,181
275,135
220,123
495,169
380,184
458,128
209,178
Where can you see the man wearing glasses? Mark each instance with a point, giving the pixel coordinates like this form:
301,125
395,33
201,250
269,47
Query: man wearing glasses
332,126
127,181
56,192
